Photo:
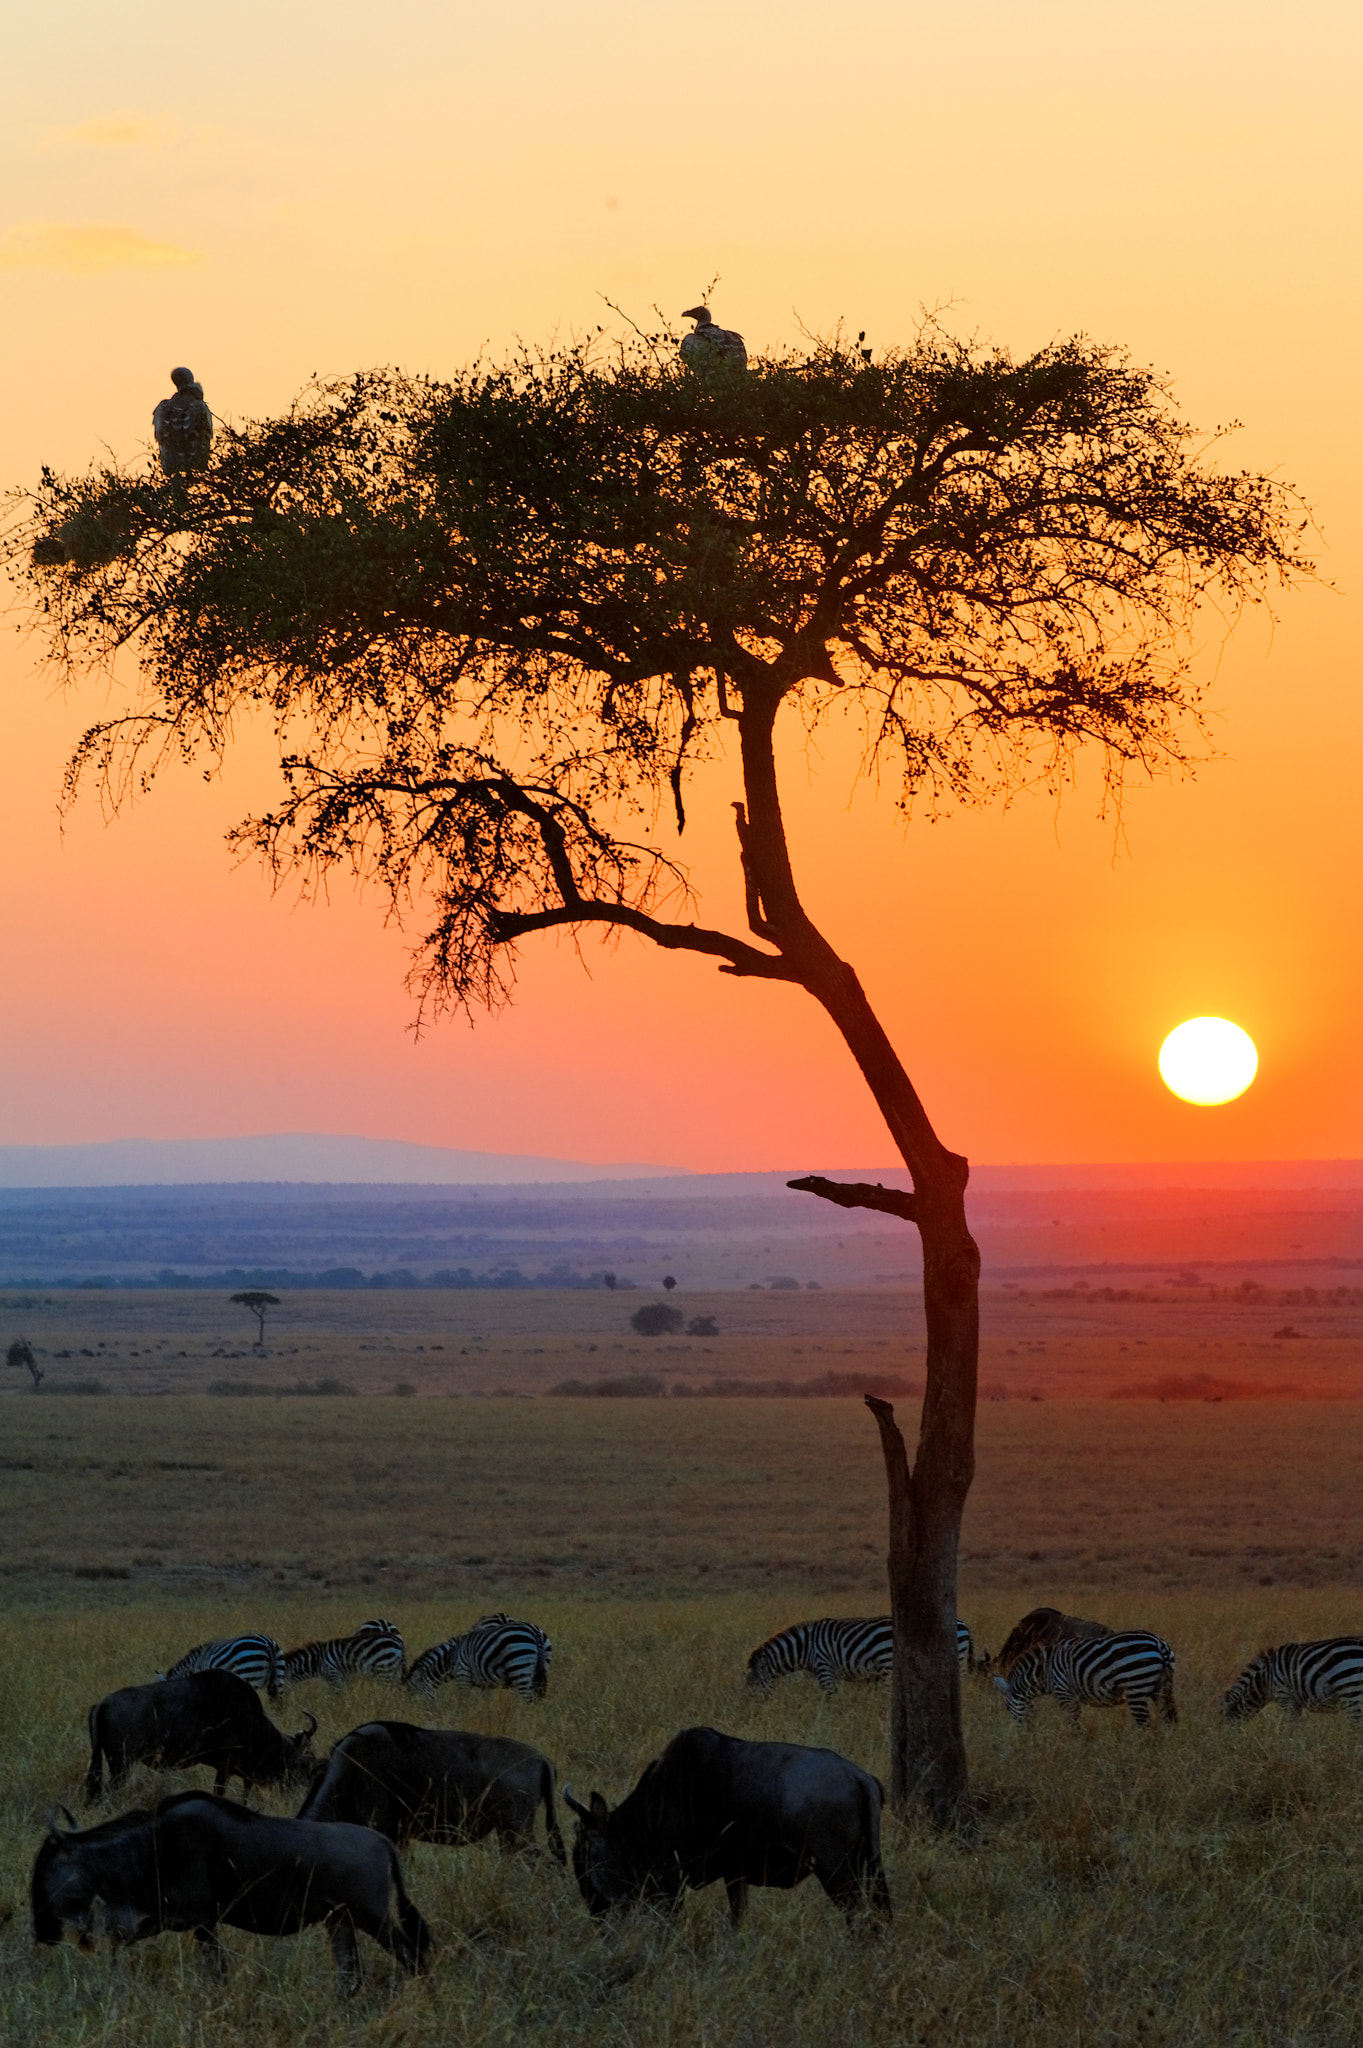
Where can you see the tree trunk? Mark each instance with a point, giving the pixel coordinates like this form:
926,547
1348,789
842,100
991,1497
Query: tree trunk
928,1761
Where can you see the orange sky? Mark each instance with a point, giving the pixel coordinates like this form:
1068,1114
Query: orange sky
263,192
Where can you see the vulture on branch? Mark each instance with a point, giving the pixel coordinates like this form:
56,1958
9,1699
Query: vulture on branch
183,425
710,348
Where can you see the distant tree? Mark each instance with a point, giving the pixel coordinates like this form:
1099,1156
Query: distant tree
656,1319
499,620
669,1281
702,1326
21,1353
609,1280
260,1304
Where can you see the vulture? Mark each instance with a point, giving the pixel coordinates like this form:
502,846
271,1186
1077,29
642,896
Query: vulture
183,425
710,348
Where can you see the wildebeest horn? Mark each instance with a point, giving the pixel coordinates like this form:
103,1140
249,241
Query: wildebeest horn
582,1812
308,1732
54,1829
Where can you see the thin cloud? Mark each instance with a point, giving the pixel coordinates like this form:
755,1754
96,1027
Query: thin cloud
125,129
81,251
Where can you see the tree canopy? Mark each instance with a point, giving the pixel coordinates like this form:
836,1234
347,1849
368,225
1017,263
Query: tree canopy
496,619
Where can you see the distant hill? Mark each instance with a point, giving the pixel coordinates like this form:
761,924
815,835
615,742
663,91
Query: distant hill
291,1157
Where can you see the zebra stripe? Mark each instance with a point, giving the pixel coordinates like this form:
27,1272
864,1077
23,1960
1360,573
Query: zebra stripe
837,1647
1311,1678
496,1651
257,1659
374,1650
1133,1669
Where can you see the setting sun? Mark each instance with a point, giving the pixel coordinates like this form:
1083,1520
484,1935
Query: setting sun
1208,1060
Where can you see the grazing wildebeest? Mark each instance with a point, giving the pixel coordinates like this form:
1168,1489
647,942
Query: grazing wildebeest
207,1717
712,1806
1040,1630
436,1785
198,1861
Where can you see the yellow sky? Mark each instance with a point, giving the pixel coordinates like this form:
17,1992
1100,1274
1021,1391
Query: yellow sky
264,192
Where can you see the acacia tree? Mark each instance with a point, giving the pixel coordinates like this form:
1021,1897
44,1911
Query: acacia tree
498,620
259,1303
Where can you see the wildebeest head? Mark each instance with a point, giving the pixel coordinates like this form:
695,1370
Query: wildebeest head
607,1876
68,1872
302,1763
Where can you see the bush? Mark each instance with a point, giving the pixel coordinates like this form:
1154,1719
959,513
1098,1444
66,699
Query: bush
656,1319
621,1386
702,1326
79,1387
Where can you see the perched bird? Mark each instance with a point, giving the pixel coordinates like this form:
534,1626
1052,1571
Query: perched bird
183,425
711,348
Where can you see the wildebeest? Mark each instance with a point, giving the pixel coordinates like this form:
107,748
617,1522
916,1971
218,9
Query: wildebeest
438,1785
713,1806
1039,1630
207,1717
198,1861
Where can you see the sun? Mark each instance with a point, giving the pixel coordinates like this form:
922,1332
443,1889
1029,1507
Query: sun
1208,1060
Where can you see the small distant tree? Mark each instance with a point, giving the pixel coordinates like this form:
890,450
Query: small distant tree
608,1280
669,1281
259,1303
656,1319
499,620
702,1326
21,1353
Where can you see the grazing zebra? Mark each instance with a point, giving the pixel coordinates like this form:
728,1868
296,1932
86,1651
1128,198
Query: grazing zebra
375,1650
837,1648
1312,1678
495,1651
1133,1669
257,1659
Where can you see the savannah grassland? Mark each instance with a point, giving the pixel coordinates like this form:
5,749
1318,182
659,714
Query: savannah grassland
1196,1885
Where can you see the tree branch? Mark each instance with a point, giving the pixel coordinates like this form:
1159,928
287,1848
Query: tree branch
735,957
859,1194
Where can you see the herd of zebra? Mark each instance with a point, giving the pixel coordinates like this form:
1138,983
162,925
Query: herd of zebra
496,1651
1078,1663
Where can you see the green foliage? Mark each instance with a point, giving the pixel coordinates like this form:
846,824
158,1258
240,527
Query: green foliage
497,619
656,1319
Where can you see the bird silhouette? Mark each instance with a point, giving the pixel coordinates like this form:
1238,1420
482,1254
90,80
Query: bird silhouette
183,425
711,349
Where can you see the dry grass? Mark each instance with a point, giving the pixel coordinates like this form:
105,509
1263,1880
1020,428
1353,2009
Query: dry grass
1198,1885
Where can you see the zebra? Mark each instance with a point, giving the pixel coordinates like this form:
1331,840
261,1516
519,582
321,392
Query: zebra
257,1659
374,1650
496,1651
1131,1668
836,1648
1313,1678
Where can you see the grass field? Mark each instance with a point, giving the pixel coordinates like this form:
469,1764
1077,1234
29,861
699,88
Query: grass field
1194,1885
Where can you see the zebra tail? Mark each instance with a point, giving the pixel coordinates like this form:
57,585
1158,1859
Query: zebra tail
539,1684
551,1833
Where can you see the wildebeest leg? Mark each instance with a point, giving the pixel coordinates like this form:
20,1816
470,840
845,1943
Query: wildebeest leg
341,1934
737,1888
212,1950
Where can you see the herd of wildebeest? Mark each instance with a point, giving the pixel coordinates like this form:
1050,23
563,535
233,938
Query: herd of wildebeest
711,1807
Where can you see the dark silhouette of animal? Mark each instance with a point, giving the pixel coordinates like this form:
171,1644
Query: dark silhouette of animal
835,1648
183,425
206,1717
1038,1631
1302,1678
710,350
374,1650
714,1807
1133,1669
258,1659
496,1651
199,1861
445,1785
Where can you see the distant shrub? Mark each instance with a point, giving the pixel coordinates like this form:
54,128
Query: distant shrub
324,1387
656,1319
78,1387
640,1386
783,1284
702,1326
238,1390
404,1388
